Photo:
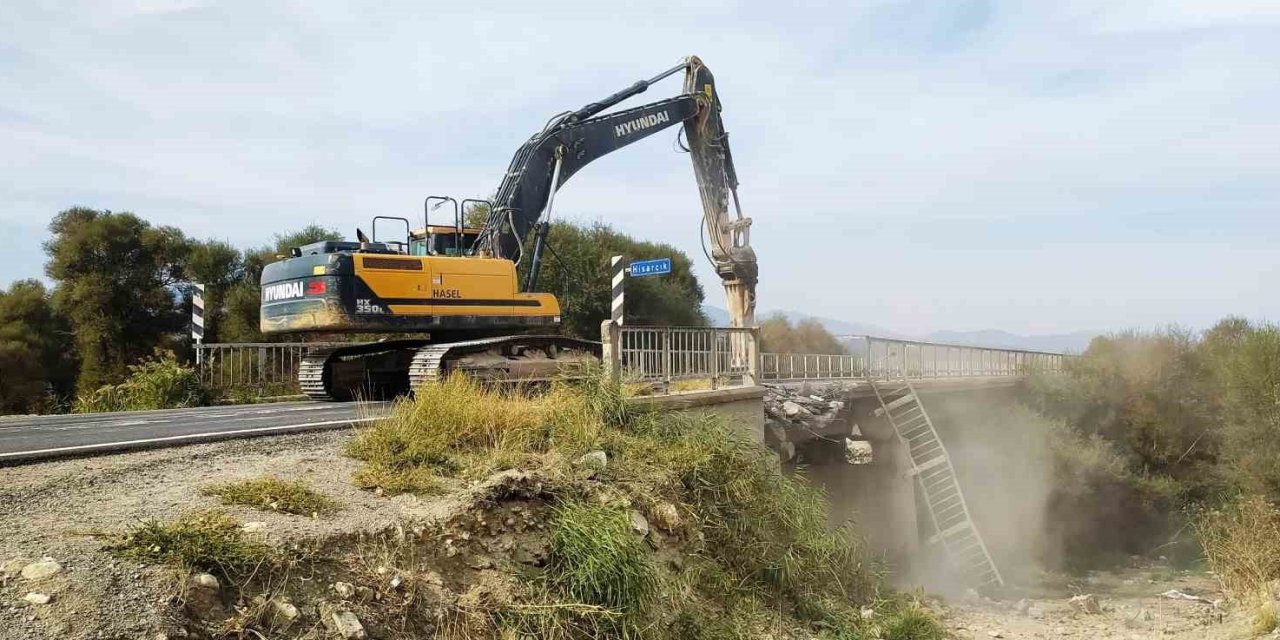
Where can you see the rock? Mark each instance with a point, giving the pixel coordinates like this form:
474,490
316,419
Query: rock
867,613
666,516
283,613
346,624
791,409
37,598
1023,607
204,599
995,634
253,527
41,569
10,568
639,524
1086,603
396,581
835,405
344,590
593,461
858,452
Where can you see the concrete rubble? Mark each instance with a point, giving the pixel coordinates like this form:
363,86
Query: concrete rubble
1086,603
795,414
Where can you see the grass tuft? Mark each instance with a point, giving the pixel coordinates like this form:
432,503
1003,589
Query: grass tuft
597,559
270,493
201,540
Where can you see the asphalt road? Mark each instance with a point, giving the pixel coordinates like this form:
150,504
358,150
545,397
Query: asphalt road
26,438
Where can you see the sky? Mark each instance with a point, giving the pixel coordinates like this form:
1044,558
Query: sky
1036,167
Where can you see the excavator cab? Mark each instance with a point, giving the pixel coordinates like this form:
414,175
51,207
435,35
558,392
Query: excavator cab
438,240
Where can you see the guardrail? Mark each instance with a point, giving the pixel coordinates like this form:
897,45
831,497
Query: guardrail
893,358
784,367
253,365
665,355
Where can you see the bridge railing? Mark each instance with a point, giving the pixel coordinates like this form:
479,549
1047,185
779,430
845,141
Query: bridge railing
669,356
262,366
893,358
784,367
714,356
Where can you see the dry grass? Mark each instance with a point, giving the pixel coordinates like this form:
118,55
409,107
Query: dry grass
270,493
458,428
1241,543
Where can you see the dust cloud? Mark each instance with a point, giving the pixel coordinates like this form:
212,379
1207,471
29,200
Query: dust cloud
1002,455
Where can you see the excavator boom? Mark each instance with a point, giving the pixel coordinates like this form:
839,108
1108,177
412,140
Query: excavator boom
573,139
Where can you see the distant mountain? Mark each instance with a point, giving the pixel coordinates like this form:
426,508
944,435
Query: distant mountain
1075,342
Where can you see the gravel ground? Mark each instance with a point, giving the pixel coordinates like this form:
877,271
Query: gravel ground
46,509
1130,603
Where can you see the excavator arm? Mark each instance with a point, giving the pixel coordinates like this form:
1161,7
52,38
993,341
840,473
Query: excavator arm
573,139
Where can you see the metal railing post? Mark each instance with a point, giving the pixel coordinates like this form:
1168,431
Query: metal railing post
666,360
715,361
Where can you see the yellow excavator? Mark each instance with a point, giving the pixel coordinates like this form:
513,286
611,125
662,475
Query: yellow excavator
455,288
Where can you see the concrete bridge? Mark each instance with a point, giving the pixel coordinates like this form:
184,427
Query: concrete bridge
909,491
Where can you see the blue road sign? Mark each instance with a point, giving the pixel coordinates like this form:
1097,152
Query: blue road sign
658,267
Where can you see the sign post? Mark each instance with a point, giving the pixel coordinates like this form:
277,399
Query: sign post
658,267
618,268
197,318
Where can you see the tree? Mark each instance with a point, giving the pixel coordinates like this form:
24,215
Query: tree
116,277
219,266
779,335
1246,365
34,363
575,268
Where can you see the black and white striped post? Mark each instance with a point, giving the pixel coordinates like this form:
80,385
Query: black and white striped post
618,268
611,329
197,318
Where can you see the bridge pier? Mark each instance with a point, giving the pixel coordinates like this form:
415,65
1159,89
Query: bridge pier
879,497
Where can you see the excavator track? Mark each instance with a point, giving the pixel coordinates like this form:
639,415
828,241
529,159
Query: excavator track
368,370
380,370
506,358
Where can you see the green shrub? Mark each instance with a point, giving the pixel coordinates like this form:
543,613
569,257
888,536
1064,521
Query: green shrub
273,494
158,383
201,540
